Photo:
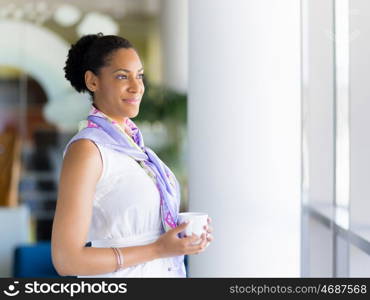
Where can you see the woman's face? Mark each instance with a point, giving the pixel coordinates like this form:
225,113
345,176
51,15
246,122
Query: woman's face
119,87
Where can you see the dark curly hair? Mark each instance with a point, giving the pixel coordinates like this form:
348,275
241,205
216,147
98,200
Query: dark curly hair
91,52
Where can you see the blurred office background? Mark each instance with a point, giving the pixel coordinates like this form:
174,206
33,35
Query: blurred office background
260,108
40,111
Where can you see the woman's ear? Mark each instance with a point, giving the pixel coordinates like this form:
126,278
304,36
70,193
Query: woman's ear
91,81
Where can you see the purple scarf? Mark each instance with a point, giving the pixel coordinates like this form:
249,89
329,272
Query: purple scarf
101,129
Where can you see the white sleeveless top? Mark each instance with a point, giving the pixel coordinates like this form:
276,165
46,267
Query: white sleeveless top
126,212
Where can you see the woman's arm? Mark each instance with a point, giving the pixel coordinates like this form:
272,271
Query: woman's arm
80,173
81,170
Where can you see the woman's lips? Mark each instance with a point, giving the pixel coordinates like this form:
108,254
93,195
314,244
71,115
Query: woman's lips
133,101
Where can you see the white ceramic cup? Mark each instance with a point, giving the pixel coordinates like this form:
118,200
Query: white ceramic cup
196,225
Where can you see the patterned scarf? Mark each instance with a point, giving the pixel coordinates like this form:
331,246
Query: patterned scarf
107,132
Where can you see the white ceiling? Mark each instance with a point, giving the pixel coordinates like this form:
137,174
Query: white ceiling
115,8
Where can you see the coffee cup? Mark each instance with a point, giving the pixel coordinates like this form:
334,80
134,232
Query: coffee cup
197,221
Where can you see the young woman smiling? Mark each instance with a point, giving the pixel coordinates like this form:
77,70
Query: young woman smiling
117,206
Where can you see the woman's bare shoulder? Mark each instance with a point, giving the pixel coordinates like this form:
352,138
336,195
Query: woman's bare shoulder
82,147
83,152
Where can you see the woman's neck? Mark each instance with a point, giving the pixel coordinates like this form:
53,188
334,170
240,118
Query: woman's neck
121,122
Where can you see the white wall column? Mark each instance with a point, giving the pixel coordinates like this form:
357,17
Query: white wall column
174,41
244,135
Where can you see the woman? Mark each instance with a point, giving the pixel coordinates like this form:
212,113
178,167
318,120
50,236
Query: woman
114,192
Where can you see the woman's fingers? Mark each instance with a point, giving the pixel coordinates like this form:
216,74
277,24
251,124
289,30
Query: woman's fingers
192,238
199,247
209,229
204,240
209,238
197,244
203,244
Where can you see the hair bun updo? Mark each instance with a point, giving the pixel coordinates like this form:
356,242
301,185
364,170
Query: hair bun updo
75,67
90,52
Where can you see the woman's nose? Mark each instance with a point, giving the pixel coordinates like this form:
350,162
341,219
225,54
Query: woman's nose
134,86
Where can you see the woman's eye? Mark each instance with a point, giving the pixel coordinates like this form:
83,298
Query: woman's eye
124,76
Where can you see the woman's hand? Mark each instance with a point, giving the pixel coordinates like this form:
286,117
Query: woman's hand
169,244
209,230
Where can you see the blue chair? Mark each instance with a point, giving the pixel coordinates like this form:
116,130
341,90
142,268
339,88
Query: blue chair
34,260
186,263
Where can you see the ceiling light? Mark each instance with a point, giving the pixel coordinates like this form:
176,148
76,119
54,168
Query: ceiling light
67,15
97,22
